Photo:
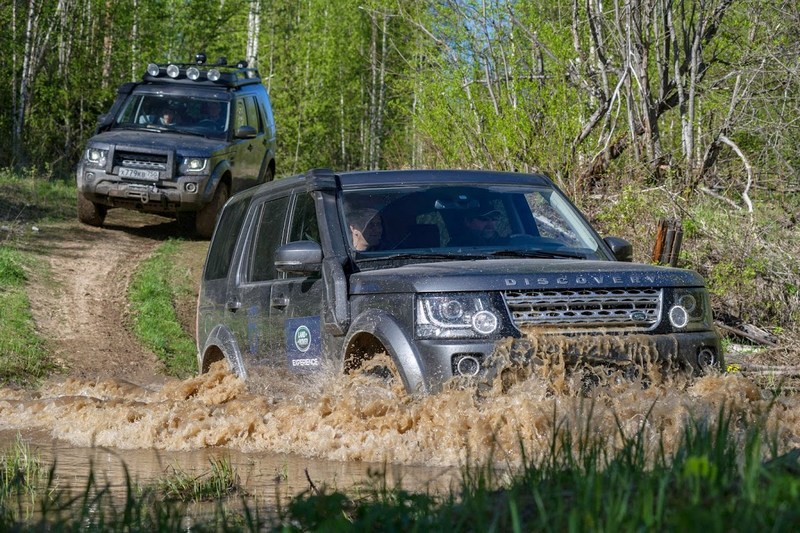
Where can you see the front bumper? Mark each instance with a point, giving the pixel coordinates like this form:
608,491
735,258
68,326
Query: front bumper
443,361
182,193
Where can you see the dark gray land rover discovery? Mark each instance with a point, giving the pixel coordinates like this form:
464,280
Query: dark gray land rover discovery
179,143
436,268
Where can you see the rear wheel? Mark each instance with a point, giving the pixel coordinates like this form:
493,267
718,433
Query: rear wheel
207,216
89,212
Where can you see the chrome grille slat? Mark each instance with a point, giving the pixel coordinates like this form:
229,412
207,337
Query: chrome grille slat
628,309
142,161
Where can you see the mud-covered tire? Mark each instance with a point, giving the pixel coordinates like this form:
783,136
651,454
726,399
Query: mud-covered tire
268,175
90,213
207,216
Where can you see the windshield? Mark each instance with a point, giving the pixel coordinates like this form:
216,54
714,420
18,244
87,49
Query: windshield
185,114
466,222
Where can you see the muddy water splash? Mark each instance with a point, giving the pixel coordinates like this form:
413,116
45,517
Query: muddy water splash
358,418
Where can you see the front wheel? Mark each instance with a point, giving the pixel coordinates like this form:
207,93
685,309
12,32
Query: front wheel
90,213
207,216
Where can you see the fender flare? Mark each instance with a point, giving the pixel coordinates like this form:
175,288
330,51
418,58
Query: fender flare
222,168
399,346
222,338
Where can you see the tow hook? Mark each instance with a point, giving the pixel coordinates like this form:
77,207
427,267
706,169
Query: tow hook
144,196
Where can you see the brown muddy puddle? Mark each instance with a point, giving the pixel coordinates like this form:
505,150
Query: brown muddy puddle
341,428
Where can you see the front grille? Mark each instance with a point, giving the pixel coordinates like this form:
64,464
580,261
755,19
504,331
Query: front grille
578,310
141,160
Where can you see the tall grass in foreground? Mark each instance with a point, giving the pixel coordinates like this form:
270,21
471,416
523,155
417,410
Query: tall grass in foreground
23,357
155,323
715,482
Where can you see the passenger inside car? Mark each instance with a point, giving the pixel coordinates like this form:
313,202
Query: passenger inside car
479,228
366,228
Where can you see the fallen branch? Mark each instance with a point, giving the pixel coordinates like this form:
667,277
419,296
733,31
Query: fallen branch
748,332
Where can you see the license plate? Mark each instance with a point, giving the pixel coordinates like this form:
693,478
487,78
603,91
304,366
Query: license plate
138,174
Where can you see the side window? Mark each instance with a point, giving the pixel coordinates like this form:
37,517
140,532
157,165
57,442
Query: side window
240,116
304,220
266,108
220,253
253,118
268,239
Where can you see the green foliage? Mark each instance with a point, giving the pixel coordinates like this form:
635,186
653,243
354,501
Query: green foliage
219,482
21,473
24,358
154,320
713,482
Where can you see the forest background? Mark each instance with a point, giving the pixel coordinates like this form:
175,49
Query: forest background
639,109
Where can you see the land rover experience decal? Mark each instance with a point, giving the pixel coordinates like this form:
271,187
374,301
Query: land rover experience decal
303,344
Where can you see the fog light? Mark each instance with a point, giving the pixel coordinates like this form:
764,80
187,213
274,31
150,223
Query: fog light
468,366
88,177
191,187
213,74
678,317
484,322
192,73
173,71
706,357
153,69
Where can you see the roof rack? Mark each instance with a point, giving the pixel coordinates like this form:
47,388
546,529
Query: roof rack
218,74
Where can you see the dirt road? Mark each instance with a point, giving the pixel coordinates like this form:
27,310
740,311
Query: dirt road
80,302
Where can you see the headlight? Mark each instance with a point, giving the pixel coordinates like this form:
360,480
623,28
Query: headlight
455,316
193,164
690,310
96,157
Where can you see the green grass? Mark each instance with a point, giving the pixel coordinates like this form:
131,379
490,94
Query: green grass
720,479
220,481
27,196
155,323
21,472
24,359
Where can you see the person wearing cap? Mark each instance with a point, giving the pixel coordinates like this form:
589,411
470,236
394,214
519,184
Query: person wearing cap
167,117
366,228
480,228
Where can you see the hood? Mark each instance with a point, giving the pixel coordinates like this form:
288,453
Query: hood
186,145
518,274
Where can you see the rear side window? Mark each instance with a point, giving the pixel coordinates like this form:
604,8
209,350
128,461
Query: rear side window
268,239
253,117
220,252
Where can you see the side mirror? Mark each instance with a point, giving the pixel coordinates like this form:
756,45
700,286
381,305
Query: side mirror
622,249
299,256
246,132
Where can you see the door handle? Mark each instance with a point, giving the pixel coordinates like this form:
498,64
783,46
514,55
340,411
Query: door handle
279,302
233,304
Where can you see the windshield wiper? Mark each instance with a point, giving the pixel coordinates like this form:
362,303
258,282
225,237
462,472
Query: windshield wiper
542,254
419,255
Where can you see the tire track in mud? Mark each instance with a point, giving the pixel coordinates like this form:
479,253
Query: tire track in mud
81,310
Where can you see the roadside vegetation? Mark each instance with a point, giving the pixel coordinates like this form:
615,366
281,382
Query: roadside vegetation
153,293
712,483
24,202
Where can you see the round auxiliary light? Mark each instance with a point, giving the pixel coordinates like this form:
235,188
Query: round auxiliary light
191,187
688,302
192,73
468,366
678,317
153,69
173,71
452,310
214,74
484,322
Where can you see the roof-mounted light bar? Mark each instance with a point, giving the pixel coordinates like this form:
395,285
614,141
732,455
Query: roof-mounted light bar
200,72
